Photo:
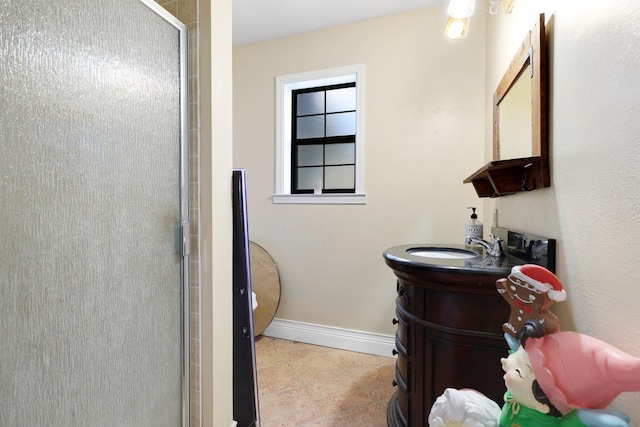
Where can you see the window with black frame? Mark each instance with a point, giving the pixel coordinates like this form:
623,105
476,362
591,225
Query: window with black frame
323,143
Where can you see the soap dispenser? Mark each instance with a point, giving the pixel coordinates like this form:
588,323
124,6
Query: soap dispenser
473,228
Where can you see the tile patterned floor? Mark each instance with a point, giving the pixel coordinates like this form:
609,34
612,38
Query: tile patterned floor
312,386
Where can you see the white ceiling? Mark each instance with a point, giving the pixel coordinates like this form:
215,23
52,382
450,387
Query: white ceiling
261,20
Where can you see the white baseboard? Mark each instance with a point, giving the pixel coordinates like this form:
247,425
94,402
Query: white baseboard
328,336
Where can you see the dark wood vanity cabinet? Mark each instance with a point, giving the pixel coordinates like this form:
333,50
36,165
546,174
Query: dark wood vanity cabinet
449,334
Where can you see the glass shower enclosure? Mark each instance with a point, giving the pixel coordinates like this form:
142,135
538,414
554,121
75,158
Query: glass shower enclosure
93,214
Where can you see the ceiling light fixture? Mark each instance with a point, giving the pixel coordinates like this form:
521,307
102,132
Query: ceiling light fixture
459,12
507,6
457,28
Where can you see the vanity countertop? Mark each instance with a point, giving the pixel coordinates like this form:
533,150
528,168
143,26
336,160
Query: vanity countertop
519,248
400,257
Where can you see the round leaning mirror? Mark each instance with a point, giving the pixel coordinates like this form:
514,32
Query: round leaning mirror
265,283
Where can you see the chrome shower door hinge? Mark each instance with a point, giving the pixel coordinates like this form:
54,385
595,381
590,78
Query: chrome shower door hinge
185,239
182,238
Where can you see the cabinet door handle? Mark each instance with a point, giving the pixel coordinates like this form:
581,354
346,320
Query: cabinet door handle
394,383
400,291
394,352
394,321
407,299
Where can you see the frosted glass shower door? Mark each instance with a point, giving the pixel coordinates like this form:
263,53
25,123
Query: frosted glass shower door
92,204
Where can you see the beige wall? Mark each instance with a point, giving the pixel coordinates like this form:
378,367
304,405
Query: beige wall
593,205
216,221
424,127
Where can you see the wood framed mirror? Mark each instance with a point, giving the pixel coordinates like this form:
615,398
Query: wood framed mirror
520,139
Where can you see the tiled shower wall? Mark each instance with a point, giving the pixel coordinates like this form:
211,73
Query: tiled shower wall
187,12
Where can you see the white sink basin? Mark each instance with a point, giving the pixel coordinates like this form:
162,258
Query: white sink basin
442,253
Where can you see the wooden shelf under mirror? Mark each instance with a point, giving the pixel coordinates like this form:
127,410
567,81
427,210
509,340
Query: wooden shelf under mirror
520,140
503,177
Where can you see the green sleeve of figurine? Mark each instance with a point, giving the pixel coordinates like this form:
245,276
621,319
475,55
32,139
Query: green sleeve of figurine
515,415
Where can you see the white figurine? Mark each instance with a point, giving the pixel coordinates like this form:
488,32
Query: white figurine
464,408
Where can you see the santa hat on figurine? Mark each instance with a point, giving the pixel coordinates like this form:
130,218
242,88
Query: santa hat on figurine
540,279
578,371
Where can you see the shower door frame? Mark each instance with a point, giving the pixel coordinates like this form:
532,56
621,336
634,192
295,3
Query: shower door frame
68,323
183,228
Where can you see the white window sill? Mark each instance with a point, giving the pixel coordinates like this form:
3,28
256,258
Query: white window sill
320,199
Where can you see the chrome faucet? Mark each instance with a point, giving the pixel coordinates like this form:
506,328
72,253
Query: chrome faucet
494,248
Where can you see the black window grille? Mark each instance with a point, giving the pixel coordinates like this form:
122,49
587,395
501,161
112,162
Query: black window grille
323,139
